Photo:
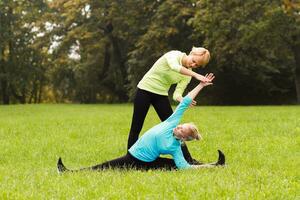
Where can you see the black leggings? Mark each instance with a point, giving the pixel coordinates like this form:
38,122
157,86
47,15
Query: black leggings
161,104
129,162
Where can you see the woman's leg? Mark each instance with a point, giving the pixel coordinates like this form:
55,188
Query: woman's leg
141,107
164,110
187,156
126,161
121,162
162,106
162,163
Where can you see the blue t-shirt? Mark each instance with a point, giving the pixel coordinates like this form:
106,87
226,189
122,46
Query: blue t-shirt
160,139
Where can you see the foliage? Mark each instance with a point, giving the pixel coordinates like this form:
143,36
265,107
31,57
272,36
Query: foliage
22,71
251,53
92,51
168,29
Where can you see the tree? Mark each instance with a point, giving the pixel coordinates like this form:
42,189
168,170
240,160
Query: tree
292,10
20,66
167,29
100,31
251,60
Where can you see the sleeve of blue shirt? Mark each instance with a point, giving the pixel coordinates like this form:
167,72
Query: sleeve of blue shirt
177,115
180,162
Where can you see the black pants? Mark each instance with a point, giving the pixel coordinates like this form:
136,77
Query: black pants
161,104
129,162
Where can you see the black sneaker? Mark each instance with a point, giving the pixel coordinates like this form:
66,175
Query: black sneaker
60,167
221,160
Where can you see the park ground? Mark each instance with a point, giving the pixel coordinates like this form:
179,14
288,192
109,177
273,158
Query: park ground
261,144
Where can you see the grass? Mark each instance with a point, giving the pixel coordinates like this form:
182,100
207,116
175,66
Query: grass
261,144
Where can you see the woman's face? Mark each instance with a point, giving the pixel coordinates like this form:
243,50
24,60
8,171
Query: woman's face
194,61
183,131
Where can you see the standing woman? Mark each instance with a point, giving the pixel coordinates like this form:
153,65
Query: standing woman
174,67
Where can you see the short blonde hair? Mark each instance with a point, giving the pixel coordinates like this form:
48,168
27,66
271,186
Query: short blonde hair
200,51
194,131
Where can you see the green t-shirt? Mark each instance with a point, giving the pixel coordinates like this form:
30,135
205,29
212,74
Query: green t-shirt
164,73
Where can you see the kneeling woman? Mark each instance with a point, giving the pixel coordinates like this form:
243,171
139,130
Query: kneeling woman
163,139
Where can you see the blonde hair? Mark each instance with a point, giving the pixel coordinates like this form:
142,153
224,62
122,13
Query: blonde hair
194,131
200,51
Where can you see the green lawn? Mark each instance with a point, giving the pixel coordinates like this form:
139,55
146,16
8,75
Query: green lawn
261,144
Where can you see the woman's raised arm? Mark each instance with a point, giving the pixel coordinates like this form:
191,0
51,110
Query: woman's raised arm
192,94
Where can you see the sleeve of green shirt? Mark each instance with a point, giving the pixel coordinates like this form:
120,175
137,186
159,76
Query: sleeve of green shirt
172,60
180,87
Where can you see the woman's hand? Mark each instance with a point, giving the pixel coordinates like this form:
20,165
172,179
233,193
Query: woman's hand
193,103
201,78
209,77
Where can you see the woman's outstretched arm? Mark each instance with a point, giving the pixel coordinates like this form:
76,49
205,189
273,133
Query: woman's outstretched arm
192,94
197,76
187,100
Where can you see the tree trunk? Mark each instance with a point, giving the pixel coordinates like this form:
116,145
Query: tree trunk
33,93
117,54
106,62
5,95
296,50
120,61
30,97
40,93
121,64
21,98
4,84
